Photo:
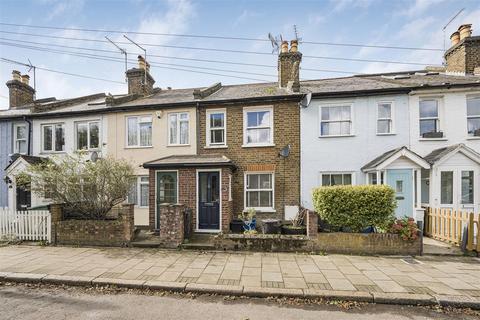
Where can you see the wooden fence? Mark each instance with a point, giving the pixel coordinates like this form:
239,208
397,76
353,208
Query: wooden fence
25,225
448,225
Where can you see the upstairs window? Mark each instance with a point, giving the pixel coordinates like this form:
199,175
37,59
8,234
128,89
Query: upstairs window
20,138
258,126
384,118
178,124
335,121
139,131
53,137
429,119
88,135
473,116
216,128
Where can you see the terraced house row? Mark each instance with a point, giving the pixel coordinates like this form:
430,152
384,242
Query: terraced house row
221,150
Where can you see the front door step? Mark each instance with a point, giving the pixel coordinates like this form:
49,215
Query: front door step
146,239
199,241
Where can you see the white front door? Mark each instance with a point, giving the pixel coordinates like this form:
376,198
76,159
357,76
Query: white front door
459,188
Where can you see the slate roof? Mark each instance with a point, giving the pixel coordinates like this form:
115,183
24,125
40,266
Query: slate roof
353,85
438,154
177,161
28,159
375,162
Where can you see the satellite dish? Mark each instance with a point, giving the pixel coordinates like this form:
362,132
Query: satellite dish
306,100
285,152
94,156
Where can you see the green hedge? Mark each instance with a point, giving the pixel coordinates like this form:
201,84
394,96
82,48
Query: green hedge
355,207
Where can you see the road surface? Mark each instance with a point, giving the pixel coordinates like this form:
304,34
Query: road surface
32,302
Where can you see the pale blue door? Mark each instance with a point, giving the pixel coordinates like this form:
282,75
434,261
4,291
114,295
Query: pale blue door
401,180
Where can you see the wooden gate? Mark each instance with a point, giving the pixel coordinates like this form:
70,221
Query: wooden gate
448,225
32,225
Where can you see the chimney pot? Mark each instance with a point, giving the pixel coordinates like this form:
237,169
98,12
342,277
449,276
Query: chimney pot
284,47
455,38
16,75
465,31
26,79
141,63
294,46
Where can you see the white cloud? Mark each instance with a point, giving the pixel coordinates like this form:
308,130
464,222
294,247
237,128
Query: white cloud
420,6
245,16
341,5
61,7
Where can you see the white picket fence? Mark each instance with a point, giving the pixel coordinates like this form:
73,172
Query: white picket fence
32,225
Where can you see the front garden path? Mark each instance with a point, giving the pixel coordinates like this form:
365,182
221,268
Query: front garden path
429,275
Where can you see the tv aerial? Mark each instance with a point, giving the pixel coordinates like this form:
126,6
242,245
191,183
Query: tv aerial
276,42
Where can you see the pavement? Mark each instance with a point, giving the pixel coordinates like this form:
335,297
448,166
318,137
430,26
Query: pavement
427,280
29,302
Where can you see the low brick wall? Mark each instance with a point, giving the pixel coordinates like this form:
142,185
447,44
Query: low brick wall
337,242
116,232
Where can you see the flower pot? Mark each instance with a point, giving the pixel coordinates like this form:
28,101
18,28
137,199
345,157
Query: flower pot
294,231
270,226
236,226
437,134
250,225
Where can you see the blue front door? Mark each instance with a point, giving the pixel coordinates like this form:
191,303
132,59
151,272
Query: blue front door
401,180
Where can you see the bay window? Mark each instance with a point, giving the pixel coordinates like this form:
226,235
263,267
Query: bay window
139,131
259,191
53,137
335,121
178,128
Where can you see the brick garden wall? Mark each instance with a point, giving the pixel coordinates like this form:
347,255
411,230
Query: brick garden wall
117,232
286,131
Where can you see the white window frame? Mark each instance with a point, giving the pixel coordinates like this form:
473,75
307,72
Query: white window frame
477,116
88,122
139,118
177,142
437,118
15,138
209,129
351,173
247,110
261,209
392,118
138,191
340,104
54,137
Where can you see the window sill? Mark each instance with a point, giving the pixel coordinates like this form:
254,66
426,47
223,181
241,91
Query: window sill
386,134
432,139
338,136
178,145
473,138
263,210
258,145
53,152
216,147
139,147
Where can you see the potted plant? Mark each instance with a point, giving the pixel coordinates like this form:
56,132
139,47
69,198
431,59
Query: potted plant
249,220
296,227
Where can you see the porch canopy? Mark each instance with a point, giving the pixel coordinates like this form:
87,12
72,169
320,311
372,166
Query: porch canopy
439,156
400,168
189,161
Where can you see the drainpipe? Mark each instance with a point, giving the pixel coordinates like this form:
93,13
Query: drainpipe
29,134
197,129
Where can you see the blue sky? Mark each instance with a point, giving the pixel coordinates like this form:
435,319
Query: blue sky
412,23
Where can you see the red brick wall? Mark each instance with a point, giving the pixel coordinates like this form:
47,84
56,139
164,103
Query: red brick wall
287,172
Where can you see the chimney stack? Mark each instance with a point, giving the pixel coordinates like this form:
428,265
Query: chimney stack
463,57
289,66
138,82
20,92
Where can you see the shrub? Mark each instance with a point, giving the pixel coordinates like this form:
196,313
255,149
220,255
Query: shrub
356,207
406,228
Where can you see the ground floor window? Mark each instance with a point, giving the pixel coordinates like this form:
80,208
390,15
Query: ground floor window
467,187
372,178
259,191
334,179
446,187
138,194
